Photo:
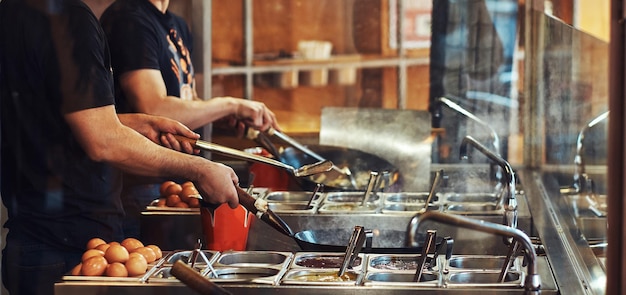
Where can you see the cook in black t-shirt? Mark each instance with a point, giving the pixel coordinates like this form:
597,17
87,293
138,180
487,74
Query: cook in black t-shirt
53,62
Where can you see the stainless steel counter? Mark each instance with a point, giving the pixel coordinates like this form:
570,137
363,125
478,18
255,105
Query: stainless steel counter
178,288
568,264
579,270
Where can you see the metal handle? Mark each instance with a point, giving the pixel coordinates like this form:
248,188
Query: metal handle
352,250
194,280
233,152
305,170
426,248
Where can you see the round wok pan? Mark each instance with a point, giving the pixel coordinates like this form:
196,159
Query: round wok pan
360,164
336,240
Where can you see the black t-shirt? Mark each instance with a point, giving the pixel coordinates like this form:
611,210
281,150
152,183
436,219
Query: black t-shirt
142,37
53,61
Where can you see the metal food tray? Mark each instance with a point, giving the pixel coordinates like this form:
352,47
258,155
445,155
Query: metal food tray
263,267
350,197
300,256
487,279
293,207
410,198
378,259
153,208
293,196
104,278
256,192
402,279
481,263
483,209
160,271
257,275
273,259
348,208
292,277
407,209
173,256
455,197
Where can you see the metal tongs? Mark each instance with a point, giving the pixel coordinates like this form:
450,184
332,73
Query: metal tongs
345,170
510,256
306,170
371,185
433,189
352,250
197,251
427,248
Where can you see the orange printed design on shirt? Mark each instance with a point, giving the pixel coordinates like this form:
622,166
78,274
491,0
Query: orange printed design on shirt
181,64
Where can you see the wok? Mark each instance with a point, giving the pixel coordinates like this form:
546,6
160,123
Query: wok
336,240
359,162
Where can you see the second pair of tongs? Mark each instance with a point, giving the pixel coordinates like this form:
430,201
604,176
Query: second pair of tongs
352,250
306,170
345,170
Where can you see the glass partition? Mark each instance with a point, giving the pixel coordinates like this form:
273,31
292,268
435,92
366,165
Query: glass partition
568,118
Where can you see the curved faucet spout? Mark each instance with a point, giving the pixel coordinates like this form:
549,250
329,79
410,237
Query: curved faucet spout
494,136
581,181
533,280
508,190
495,139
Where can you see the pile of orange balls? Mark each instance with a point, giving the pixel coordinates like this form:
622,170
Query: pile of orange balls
177,195
129,258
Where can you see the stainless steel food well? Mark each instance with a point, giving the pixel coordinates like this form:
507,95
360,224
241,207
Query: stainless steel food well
409,197
427,279
408,202
484,279
259,275
397,263
480,262
292,207
293,196
316,277
325,260
253,259
471,197
186,255
473,209
350,208
408,209
350,197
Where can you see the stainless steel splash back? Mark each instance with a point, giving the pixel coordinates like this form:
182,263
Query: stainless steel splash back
402,137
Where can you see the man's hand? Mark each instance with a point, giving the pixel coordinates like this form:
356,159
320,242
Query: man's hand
160,129
255,114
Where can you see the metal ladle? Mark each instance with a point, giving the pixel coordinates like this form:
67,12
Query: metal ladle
306,170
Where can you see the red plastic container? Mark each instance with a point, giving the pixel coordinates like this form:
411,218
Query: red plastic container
225,228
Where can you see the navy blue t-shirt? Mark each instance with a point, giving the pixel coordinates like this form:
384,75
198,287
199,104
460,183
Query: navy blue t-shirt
142,37
54,61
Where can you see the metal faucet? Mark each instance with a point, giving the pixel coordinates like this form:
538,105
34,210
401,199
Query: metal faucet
507,195
533,280
582,183
495,139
